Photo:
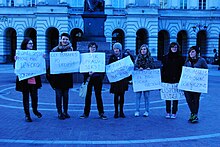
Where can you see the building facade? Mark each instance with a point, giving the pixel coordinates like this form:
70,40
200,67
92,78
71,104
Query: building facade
131,22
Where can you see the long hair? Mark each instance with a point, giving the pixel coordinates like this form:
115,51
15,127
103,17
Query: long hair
193,48
24,43
172,44
148,52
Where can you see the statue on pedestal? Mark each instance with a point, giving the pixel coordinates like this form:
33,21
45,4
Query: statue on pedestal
94,5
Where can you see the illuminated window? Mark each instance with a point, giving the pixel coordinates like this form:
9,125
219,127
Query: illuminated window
202,4
183,4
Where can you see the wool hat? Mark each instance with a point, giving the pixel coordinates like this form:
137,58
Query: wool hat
117,45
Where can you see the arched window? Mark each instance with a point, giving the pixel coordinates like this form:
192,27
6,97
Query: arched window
31,33
163,44
118,35
182,40
76,36
201,42
141,38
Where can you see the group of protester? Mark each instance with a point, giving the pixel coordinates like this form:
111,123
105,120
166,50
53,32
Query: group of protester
172,64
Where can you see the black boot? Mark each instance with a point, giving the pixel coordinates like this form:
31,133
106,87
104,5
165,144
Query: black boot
38,114
28,118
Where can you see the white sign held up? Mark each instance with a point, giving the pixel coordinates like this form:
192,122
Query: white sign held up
92,62
64,62
194,79
144,80
120,69
29,61
170,92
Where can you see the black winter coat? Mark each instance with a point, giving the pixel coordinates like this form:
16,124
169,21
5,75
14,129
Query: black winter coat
23,84
172,68
121,86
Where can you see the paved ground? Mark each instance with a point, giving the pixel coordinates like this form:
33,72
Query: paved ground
131,131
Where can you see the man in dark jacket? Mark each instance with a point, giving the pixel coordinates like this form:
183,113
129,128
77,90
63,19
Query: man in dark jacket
62,82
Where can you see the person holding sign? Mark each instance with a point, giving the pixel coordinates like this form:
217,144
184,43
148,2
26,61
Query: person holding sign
118,88
62,82
29,86
143,61
171,71
193,98
95,79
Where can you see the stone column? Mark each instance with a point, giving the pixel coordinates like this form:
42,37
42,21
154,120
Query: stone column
154,2
108,3
193,4
131,2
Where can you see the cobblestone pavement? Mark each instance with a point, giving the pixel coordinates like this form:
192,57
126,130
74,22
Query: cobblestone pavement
154,130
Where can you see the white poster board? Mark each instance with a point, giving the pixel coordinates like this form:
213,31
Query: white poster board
194,79
120,69
30,61
171,92
64,62
22,76
144,80
92,62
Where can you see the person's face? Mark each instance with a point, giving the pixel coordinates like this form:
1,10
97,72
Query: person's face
174,48
116,51
30,45
64,40
92,49
144,51
192,54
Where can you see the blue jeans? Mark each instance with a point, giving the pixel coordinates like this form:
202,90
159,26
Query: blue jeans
146,100
62,94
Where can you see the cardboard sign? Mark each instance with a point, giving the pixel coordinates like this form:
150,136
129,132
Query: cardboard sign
120,69
171,92
194,79
144,80
92,62
64,62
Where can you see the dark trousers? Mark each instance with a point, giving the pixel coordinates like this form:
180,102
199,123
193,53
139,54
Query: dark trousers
192,99
62,95
119,99
174,106
97,83
33,92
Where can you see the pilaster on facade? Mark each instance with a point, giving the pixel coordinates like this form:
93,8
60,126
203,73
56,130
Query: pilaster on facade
130,43
153,40
20,38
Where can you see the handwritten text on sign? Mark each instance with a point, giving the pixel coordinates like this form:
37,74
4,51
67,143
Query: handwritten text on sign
120,69
64,62
194,79
170,92
144,80
29,61
92,62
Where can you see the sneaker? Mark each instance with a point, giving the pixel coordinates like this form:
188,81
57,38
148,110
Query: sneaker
83,116
136,114
173,116
146,114
168,115
191,116
194,119
102,116
66,115
61,116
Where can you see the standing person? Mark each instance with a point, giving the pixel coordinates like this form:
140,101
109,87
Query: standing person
193,98
29,86
143,61
95,79
62,82
215,62
171,72
118,88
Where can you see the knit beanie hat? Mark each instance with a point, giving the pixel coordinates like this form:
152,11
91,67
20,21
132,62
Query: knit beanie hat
117,45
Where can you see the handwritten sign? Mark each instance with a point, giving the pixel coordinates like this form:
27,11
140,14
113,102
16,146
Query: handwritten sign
23,76
144,80
64,62
30,61
171,92
194,79
120,69
92,62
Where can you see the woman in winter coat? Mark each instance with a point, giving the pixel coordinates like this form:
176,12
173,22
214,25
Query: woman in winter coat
118,88
29,86
143,61
193,98
171,72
